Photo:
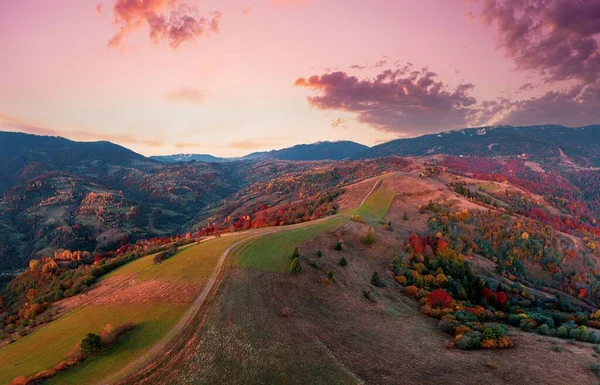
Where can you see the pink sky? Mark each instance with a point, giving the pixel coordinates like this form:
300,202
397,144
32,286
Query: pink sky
232,92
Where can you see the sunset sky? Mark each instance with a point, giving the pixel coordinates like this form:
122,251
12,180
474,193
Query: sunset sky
232,77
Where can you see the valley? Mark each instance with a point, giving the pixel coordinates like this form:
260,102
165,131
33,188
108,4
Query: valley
319,272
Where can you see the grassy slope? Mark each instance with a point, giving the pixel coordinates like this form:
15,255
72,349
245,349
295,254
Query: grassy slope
245,340
376,206
273,252
188,266
47,346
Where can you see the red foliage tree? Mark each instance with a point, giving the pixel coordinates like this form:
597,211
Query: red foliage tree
441,246
439,298
501,298
416,243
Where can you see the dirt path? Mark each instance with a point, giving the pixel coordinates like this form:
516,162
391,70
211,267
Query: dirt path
179,336
375,186
176,336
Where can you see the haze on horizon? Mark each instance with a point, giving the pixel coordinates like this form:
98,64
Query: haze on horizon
172,76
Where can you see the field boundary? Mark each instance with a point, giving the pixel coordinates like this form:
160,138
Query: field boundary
375,186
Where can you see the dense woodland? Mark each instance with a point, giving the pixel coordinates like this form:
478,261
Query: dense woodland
437,269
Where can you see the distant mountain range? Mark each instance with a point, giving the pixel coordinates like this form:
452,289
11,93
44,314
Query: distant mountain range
302,152
317,151
190,158
543,141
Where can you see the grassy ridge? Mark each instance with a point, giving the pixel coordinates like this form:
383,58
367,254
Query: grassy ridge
189,265
273,252
47,346
376,205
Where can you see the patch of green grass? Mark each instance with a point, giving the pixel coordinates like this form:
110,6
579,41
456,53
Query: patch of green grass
190,265
376,206
274,252
47,346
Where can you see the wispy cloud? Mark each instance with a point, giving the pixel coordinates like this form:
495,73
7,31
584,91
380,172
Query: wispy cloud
11,123
339,123
186,95
255,144
248,10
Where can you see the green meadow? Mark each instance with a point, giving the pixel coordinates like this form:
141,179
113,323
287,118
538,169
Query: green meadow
273,252
376,206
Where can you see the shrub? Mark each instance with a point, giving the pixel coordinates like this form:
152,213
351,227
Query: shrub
579,334
375,280
405,216
411,291
471,340
286,312
330,275
401,279
296,253
515,319
369,237
338,246
21,380
158,258
319,254
528,324
595,367
439,298
91,344
594,338
343,262
64,365
369,295
295,266
543,330
562,332
465,316
449,324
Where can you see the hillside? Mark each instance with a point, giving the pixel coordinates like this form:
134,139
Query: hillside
462,271
25,156
317,151
538,142
339,150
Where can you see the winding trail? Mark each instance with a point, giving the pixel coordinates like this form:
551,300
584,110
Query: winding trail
177,336
142,367
180,334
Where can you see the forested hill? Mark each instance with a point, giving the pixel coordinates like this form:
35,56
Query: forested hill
580,144
23,156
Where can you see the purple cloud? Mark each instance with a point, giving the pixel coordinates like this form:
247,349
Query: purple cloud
556,38
578,106
401,100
